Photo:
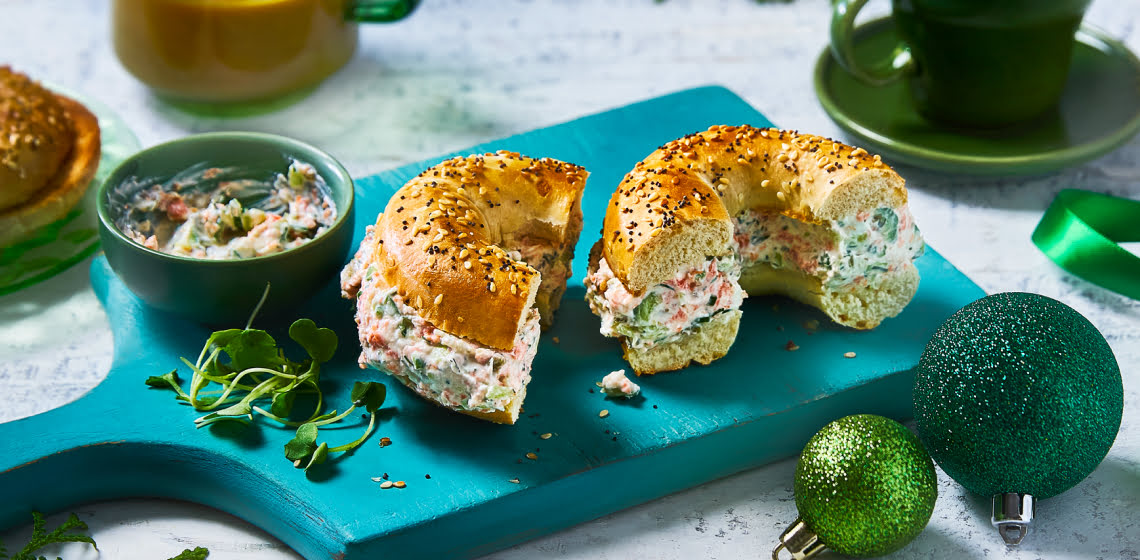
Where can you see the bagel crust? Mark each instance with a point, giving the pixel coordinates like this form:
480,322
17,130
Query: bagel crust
49,152
695,198
459,271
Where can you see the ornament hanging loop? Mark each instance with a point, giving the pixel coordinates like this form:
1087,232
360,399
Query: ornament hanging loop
800,541
1012,515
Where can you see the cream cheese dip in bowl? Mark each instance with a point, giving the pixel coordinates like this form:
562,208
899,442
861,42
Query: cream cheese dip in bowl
200,225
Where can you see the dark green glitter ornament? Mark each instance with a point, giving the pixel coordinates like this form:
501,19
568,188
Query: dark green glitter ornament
1017,396
864,487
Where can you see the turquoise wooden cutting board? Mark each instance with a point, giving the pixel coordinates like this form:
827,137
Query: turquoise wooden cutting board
758,404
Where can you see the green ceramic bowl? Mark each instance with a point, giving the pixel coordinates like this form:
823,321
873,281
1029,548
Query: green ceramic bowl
225,292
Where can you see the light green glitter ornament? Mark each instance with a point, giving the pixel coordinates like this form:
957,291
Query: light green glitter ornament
864,487
1018,397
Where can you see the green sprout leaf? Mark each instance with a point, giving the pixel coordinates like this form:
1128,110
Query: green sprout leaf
283,404
319,456
369,394
252,348
302,446
198,553
320,343
166,381
255,376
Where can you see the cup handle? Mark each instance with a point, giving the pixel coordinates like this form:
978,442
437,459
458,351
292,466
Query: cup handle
379,10
881,73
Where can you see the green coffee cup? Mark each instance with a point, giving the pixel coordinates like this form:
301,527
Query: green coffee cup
972,63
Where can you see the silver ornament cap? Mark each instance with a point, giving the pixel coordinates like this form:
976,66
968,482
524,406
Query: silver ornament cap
1012,515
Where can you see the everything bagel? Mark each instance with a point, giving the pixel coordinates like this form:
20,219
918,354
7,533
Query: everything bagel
737,209
452,280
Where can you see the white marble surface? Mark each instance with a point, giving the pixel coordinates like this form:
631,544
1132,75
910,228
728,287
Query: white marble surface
462,72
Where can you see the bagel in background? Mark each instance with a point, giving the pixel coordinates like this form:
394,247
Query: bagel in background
460,271
737,209
49,151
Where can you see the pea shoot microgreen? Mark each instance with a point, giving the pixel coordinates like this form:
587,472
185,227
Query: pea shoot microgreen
255,377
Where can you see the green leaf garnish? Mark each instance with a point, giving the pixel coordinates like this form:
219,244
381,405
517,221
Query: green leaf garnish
198,553
42,538
319,456
253,375
369,394
252,348
320,343
283,404
302,446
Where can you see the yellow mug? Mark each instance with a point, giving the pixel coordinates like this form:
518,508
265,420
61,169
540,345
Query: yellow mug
222,51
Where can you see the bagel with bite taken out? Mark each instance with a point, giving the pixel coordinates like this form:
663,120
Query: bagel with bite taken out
713,217
459,274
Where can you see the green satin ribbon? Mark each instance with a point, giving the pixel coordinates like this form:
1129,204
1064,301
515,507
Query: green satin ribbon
1081,230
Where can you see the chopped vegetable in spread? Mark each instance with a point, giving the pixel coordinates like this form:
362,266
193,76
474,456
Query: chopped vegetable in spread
855,250
667,311
222,213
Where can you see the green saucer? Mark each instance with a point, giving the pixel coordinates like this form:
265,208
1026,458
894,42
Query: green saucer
1099,110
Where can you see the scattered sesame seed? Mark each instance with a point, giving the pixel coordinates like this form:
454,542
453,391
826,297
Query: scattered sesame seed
791,346
547,435
555,339
532,456
849,355
386,484
400,484
513,481
603,413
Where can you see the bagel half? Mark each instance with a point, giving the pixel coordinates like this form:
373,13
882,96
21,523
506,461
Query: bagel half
49,151
765,211
459,271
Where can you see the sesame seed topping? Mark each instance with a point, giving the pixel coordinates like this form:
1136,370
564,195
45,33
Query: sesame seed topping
467,265
438,299
765,183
